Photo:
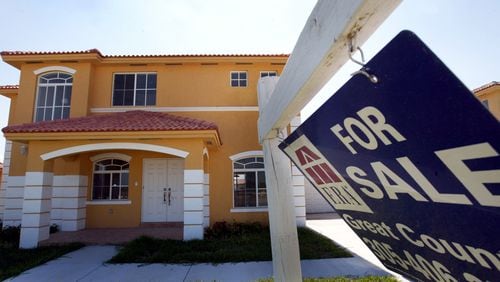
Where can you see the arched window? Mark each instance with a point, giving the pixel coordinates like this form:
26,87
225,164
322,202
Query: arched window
53,96
249,182
110,180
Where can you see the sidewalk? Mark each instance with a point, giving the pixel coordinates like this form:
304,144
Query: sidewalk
87,264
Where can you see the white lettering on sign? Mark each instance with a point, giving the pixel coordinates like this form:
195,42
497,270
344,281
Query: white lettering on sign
462,252
324,176
394,184
473,180
372,120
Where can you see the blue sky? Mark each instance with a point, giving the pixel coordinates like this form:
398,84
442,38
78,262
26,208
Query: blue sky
463,33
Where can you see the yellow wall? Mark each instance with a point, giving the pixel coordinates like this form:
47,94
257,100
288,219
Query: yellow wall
189,85
192,84
491,94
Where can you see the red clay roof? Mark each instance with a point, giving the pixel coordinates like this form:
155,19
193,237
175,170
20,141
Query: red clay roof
96,51
9,87
127,121
486,86
90,51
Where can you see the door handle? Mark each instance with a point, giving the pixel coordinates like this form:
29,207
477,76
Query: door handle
169,195
164,191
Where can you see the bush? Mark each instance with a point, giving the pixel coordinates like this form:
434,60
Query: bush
10,235
224,230
54,228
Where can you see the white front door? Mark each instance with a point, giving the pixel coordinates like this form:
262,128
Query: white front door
162,194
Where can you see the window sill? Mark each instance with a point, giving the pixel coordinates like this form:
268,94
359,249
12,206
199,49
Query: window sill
248,210
117,202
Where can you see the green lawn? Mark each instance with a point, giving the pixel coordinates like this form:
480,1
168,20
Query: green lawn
13,261
345,279
226,243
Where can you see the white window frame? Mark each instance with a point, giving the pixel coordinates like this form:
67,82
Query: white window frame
135,88
268,72
100,158
53,106
239,80
240,156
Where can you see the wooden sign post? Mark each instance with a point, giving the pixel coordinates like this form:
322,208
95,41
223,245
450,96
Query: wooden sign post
322,48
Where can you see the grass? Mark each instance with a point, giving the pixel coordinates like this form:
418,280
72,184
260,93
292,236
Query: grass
345,279
224,243
14,261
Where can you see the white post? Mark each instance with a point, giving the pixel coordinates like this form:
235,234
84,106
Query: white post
321,50
284,239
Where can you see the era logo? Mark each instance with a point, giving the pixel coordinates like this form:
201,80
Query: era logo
318,170
324,177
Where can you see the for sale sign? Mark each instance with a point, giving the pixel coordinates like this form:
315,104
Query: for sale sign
411,163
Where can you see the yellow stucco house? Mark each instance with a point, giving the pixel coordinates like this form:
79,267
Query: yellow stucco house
489,95
99,141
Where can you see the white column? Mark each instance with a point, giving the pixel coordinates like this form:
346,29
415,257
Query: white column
193,204
14,196
206,200
298,184
5,174
69,195
36,209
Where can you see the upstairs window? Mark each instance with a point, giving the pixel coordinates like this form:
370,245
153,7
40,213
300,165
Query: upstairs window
134,89
110,181
239,79
54,96
249,180
268,73
485,104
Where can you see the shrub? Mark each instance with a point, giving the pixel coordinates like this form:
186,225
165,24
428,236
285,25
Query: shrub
10,235
224,230
54,228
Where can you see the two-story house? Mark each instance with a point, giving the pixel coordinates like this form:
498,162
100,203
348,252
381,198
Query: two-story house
489,95
99,141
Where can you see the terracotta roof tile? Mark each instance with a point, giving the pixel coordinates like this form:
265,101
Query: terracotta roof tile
9,87
96,51
127,121
23,53
487,85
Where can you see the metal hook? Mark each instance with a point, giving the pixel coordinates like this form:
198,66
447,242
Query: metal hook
363,70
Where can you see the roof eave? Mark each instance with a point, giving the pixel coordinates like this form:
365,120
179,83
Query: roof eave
210,136
17,60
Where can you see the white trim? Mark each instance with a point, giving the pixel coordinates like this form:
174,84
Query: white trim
54,68
239,80
114,146
102,203
135,86
120,109
120,156
247,154
236,210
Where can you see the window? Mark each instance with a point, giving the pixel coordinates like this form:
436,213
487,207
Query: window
249,182
110,180
268,73
485,104
54,96
134,89
239,79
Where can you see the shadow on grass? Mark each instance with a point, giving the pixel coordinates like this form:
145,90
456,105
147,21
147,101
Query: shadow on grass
225,243
14,261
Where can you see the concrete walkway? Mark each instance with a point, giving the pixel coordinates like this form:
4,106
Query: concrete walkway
87,264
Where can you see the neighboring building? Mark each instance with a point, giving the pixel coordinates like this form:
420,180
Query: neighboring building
489,95
100,141
1,195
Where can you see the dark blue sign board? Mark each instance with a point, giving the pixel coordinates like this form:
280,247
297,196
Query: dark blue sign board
411,163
